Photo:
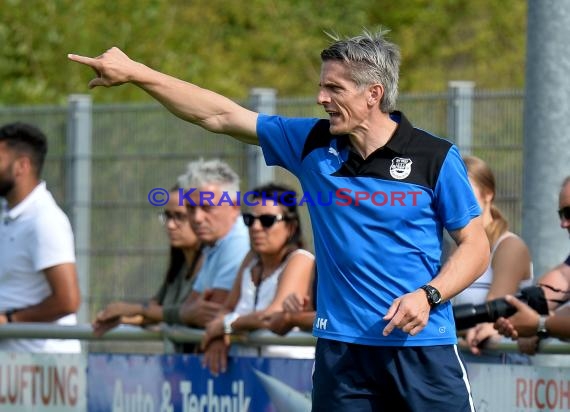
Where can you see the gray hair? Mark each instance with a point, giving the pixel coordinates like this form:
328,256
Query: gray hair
202,172
371,59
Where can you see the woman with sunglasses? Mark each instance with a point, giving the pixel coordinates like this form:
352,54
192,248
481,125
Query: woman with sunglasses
276,267
185,259
509,270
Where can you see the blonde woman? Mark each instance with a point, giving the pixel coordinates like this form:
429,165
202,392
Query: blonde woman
510,267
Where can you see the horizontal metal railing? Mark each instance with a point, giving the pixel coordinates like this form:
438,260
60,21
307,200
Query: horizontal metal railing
176,334
180,334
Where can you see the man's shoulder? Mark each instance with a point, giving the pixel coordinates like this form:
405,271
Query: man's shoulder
50,215
235,238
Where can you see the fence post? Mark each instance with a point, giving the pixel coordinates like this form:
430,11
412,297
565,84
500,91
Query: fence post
546,138
460,114
78,189
261,100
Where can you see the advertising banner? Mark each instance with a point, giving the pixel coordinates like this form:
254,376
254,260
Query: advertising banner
519,388
179,383
42,382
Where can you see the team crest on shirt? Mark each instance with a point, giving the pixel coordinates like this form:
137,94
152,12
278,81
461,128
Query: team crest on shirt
400,168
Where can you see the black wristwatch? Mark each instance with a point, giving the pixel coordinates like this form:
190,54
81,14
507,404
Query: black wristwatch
433,295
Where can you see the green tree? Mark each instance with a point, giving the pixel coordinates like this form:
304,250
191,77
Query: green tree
232,46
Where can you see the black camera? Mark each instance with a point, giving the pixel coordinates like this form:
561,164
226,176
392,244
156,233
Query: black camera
469,315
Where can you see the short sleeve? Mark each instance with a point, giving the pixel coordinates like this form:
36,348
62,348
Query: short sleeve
53,242
282,140
455,202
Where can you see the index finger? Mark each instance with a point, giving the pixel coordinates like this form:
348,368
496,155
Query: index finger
89,61
389,328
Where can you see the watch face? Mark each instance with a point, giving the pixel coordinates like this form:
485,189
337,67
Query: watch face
436,296
433,295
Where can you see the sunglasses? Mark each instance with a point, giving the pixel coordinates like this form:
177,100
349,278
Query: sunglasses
564,213
266,220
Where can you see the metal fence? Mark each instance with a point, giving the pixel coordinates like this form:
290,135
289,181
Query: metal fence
104,159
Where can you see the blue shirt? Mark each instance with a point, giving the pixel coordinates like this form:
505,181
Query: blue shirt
223,259
377,222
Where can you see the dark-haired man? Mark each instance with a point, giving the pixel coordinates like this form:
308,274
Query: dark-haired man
38,279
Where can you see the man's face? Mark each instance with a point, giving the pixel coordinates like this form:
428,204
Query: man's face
211,222
563,202
345,103
7,179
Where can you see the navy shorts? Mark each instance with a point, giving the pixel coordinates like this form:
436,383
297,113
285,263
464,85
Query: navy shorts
353,378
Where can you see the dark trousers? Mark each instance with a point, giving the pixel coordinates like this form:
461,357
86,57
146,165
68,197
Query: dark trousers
354,378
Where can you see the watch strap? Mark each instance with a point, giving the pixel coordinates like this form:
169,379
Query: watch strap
433,295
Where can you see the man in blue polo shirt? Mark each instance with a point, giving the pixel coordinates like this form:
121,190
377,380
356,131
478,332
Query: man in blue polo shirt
384,322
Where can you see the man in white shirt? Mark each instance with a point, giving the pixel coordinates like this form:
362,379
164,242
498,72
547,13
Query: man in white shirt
38,278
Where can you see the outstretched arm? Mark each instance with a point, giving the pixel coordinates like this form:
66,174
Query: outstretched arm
194,104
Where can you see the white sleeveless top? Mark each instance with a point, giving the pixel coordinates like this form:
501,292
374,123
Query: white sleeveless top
254,298
476,293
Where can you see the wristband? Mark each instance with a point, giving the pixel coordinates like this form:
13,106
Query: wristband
228,320
8,315
541,330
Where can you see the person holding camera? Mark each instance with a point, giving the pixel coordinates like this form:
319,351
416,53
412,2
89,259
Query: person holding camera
509,269
526,322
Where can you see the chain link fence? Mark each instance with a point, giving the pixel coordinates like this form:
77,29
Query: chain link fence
138,147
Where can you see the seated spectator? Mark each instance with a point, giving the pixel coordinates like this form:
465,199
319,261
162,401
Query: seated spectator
510,265
527,325
214,213
277,267
164,306
38,275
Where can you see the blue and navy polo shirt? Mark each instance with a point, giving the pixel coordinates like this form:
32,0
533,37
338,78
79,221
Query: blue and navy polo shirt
377,222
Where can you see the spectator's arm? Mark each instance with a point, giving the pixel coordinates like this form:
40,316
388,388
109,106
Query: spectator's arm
282,322
511,265
558,326
63,300
198,309
557,278
295,278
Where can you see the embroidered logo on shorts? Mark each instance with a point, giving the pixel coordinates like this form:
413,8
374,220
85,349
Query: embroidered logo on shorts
400,168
